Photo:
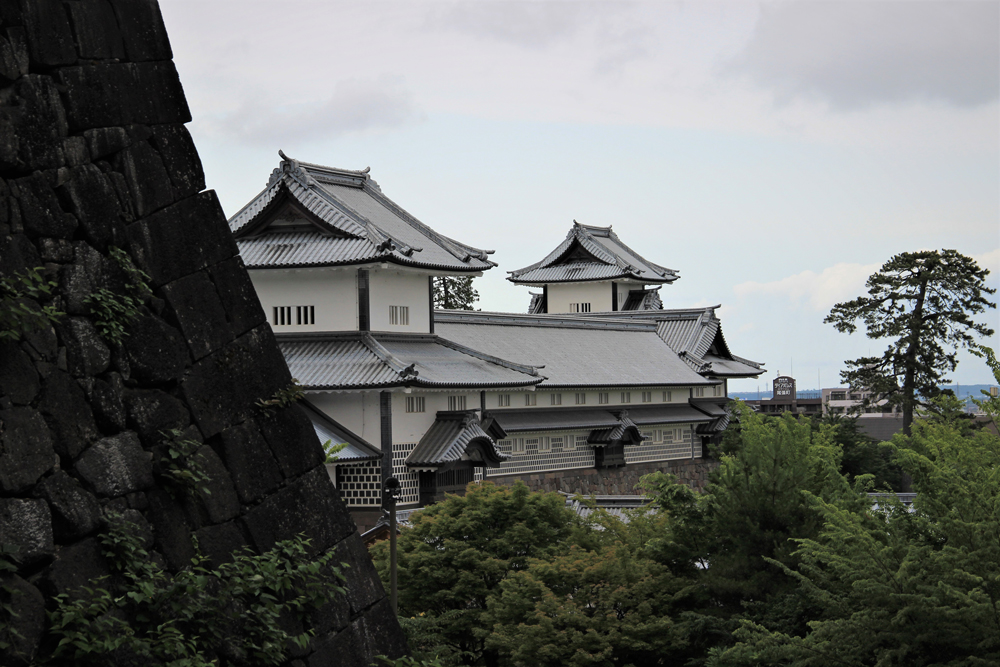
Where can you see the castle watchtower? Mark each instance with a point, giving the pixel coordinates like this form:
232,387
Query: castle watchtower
593,271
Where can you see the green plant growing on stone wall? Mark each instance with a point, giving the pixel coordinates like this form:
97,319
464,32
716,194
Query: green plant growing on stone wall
8,613
197,617
111,311
18,314
178,464
282,398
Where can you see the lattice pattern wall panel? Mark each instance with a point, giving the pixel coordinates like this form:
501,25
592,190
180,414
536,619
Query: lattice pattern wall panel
409,480
534,459
665,443
360,484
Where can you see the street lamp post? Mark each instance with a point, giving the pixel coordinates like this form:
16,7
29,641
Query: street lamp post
391,494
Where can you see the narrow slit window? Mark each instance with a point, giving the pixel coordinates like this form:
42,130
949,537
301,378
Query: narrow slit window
305,315
282,316
626,397
668,396
415,404
503,400
579,307
555,399
581,398
399,316
530,399
456,402
602,398
647,397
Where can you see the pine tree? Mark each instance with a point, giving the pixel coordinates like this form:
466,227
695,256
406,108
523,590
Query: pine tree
923,301
454,293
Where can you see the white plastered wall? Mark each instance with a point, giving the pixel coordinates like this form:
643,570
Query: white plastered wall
399,288
410,427
358,413
543,397
597,294
334,294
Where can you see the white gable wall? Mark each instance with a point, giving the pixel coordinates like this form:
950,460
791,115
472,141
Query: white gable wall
597,294
357,412
333,293
398,288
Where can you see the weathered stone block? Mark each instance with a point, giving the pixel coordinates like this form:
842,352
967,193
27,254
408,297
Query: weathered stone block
75,511
50,37
290,435
280,516
156,94
96,30
219,543
250,463
75,151
95,95
91,198
224,386
17,254
151,412
116,466
26,451
86,353
55,250
243,309
195,305
362,582
26,626
32,126
182,238
107,402
104,141
142,30
18,380
342,649
171,531
216,497
75,566
41,213
156,351
147,178
13,53
378,633
65,408
26,525
180,157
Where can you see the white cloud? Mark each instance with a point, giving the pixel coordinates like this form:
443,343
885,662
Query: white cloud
354,106
857,54
990,260
836,283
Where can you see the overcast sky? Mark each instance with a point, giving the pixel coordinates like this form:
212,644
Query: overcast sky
775,154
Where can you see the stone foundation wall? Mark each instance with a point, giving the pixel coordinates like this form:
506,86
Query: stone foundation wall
95,162
613,481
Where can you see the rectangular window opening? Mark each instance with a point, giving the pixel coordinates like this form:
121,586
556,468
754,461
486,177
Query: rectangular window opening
626,397
399,316
503,400
581,398
647,397
602,398
415,404
555,399
530,399
456,402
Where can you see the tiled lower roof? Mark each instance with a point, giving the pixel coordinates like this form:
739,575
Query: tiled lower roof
359,360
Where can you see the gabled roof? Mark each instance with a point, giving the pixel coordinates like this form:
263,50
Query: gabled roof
572,351
592,253
455,436
695,334
310,215
357,448
362,360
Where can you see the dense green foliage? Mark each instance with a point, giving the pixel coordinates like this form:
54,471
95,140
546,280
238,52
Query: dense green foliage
112,311
20,311
782,560
454,293
924,303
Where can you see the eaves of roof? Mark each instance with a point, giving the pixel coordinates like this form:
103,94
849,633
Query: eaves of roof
455,436
357,449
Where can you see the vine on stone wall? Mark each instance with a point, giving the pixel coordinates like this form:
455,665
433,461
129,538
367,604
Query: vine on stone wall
19,311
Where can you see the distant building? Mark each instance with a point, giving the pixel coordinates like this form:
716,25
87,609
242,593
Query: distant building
784,398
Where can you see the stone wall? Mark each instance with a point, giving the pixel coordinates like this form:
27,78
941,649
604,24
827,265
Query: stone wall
613,481
94,157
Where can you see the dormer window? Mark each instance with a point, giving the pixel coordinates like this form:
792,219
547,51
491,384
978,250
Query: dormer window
399,316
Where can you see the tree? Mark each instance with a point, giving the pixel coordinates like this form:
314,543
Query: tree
455,556
924,301
902,586
454,293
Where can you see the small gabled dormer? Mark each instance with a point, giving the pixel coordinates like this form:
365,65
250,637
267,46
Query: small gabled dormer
593,271
327,252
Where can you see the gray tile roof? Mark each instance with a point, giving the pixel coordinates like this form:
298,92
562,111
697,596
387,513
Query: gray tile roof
357,360
695,334
666,414
592,253
625,430
347,221
616,506
542,419
357,449
455,436
575,351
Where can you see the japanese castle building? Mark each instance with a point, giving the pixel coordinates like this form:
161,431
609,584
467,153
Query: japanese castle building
594,386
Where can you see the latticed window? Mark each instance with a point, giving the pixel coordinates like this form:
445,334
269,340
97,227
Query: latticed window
503,400
668,396
581,398
626,397
399,315
456,402
555,399
414,403
602,398
647,397
530,399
